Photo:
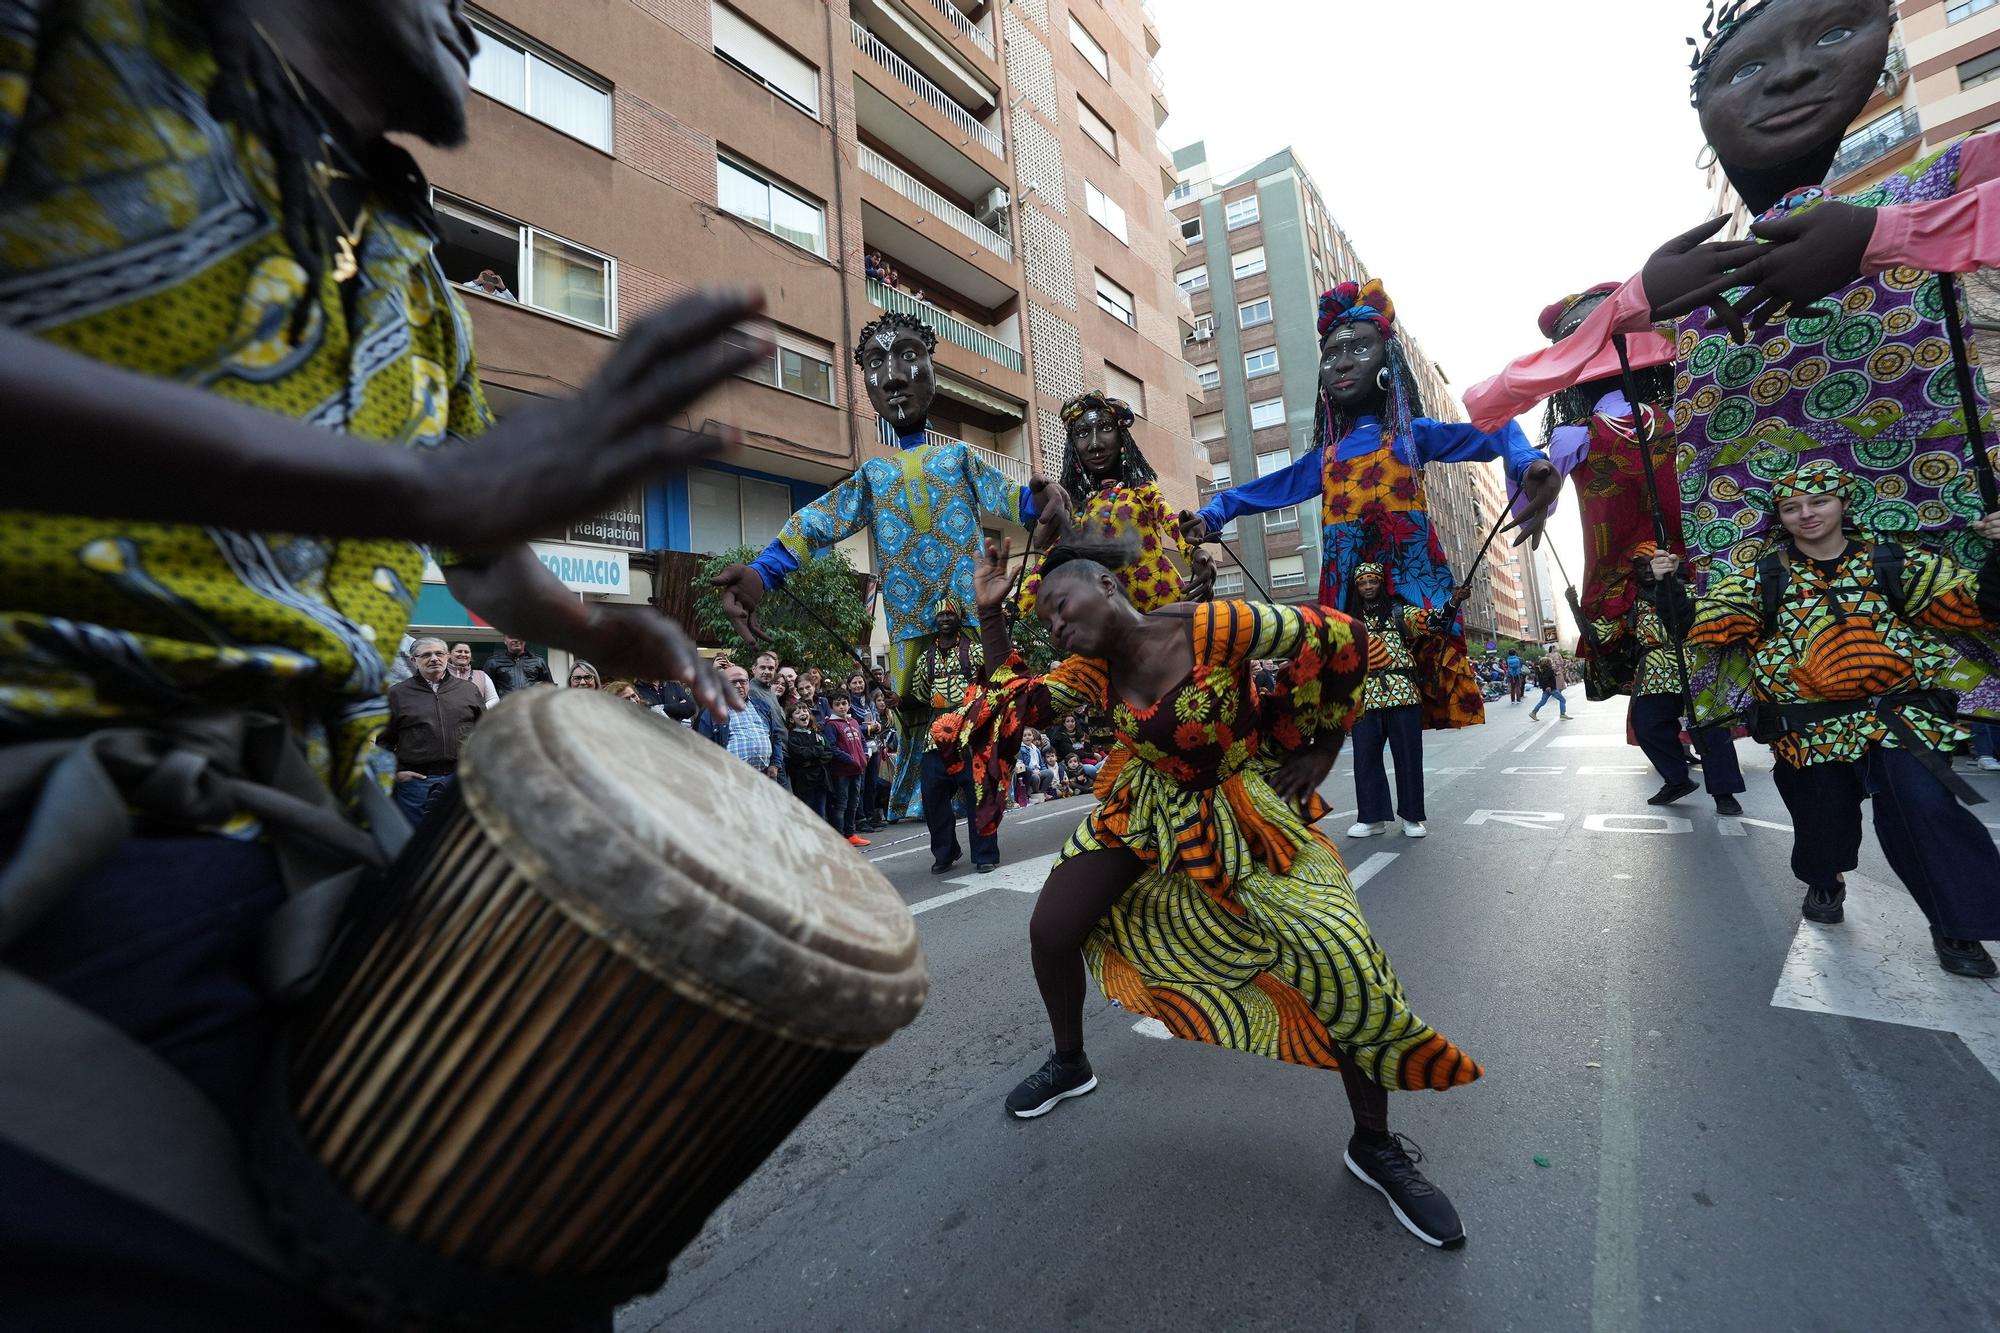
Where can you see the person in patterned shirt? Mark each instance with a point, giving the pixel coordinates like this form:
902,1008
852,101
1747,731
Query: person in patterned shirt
1658,688
240,398
950,663
1392,711
1846,654
1115,500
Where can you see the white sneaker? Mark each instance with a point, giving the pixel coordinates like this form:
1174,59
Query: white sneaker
1411,830
1367,830
1989,763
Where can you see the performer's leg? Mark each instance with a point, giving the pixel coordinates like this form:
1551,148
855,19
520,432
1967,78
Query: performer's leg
1405,726
938,787
1943,855
1656,722
1368,1099
1371,779
1719,769
1076,896
1379,1160
1825,804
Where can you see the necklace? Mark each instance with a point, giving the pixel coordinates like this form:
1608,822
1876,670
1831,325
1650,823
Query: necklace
346,262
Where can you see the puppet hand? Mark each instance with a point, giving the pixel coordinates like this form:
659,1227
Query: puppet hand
1812,254
1684,274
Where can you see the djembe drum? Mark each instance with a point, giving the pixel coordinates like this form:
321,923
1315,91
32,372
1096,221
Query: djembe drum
601,986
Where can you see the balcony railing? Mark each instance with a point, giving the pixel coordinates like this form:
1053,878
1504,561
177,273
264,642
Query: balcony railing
949,327
903,183
1878,140
1158,79
930,92
973,32
1015,469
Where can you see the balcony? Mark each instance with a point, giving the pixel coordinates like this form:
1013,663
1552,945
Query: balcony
914,190
972,32
949,327
1014,469
1875,142
907,75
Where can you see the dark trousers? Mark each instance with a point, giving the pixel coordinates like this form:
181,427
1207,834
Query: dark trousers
416,797
811,794
1938,848
1656,720
939,787
1402,730
843,802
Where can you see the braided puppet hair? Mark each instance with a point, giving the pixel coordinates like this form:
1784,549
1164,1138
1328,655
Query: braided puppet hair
1403,402
253,92
892,323
1132,469
1724,21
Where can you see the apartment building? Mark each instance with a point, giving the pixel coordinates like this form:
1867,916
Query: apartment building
995,171
1261,247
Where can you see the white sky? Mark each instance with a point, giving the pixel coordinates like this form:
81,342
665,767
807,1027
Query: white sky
1485,158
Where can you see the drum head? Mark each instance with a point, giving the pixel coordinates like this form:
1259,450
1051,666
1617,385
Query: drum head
702,870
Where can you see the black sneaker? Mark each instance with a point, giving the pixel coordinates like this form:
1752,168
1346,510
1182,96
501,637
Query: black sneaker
1389,1167
1057,1080
1965,958
987,867
940,867
1672,792
1824,905
1728,805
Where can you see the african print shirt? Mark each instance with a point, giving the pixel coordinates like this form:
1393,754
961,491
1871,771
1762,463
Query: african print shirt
1138,512
939,680
923,507
1392,667
1837,640
1659,673
136,230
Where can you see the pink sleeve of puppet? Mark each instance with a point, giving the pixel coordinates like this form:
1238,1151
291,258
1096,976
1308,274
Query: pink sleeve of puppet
1954,235
1529,379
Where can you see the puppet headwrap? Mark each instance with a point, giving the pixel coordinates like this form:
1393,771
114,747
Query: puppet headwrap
1132,468
1369,303
1096,401
1353,302
1556,321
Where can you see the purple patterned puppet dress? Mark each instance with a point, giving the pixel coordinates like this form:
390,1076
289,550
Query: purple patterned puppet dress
1871,387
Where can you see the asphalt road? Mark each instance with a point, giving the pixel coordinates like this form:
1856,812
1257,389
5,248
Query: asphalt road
1748,1123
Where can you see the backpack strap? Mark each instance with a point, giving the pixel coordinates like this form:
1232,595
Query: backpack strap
1889,561
1774,574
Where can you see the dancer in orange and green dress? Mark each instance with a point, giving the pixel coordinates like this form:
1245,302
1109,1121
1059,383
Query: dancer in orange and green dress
1197,890
1114,497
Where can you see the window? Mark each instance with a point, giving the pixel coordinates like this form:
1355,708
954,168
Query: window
726,511
1191,229
1208,376
1252,313
1241,212
1105,211
1115,300
1980,69
1287,571
1097,128
539,270
799,365
1211,426
757,55
1129,387
1192,280
509,68
773,207
1264,362
1965,9
1246,263
1282,520
1229,582
1269,413
1223,477
1087,46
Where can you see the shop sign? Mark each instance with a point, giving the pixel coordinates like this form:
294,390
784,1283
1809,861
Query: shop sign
586,568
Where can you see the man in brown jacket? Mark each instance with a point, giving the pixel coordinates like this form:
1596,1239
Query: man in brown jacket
430,715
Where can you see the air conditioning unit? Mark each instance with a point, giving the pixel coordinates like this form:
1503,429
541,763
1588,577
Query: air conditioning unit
992,211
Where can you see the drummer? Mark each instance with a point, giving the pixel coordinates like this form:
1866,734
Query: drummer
155,609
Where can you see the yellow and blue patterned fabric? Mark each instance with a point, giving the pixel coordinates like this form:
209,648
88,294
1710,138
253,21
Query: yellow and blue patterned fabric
139,232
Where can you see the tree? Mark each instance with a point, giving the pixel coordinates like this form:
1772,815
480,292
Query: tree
827,584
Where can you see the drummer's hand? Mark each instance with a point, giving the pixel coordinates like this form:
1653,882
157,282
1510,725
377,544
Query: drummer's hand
564,458
742,593
1302,772
1194,528
642,643
1989,527
990,584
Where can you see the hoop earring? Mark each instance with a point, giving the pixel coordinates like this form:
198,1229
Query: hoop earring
1707,151
1383,379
